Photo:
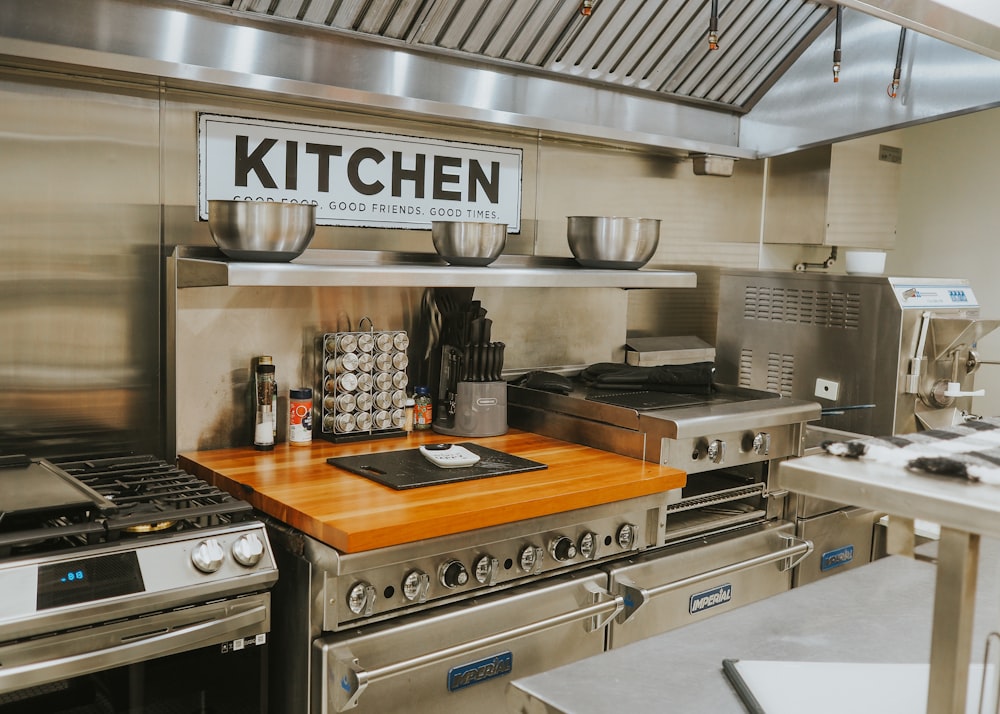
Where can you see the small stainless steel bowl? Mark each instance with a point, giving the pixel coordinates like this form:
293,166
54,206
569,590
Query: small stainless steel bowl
261,230
613,241
467,242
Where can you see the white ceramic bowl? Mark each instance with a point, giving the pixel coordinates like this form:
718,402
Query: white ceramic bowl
864,262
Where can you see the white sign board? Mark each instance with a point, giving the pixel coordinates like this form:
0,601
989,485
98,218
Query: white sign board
357,178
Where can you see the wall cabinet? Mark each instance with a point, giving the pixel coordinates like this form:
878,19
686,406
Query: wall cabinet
844,194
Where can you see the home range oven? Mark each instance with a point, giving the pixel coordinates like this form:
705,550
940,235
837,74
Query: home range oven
443,624
129,586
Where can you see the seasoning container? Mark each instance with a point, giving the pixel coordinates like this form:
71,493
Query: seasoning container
300,416
422,409
265,424
408,414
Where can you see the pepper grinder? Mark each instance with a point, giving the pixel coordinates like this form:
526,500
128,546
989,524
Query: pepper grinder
264,419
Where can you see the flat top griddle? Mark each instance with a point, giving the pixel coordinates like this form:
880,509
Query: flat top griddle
646,400
36,489
409,469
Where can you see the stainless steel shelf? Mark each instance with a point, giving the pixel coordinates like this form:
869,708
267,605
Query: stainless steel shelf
206,267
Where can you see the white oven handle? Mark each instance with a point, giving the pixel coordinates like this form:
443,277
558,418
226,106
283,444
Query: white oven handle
636,595
150,637
347,679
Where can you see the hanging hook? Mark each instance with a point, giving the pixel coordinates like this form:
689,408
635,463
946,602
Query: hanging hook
713,27
891,91
836,45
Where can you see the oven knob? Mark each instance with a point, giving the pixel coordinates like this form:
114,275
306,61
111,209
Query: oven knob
530,559
484,569
453,574
588,545
208,555
716,451
626,536
248,549
761,443
415,586
562,549
361,598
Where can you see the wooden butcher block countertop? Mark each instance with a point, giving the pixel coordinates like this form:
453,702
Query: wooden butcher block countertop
352,513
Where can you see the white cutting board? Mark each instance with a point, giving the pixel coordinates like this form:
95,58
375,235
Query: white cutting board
857,688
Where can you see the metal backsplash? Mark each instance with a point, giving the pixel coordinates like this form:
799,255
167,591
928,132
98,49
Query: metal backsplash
100,182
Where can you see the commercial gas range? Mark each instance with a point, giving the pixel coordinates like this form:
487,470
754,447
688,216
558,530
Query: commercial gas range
129,586
442,624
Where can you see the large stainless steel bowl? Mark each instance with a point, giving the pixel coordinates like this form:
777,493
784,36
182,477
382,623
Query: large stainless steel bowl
261,230
613,241
468,242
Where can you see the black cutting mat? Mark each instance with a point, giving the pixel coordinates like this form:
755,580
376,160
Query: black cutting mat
410,469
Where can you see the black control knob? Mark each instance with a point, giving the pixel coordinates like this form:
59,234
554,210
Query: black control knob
454,574
563,549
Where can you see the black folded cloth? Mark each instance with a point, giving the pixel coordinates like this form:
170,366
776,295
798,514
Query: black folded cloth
546,381
695,378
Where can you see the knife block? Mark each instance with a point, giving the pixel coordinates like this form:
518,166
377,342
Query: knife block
480,409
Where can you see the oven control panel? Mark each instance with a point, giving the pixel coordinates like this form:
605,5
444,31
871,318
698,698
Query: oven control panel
374,586
157,573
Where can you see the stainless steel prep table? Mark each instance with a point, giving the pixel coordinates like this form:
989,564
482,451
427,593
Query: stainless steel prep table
876,613
965,512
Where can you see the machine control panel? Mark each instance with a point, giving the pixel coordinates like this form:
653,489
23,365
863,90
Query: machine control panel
373,586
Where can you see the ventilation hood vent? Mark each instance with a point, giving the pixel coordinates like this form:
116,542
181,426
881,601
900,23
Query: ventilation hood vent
632,72
658,46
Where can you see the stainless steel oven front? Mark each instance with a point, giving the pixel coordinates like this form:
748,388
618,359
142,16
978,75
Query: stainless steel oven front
155,597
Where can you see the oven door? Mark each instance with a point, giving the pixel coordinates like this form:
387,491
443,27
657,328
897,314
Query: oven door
459,658
211,657
679,585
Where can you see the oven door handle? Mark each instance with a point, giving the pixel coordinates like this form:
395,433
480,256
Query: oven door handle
181,637
347,679
636,595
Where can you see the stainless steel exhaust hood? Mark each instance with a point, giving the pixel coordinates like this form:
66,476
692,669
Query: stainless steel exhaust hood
637,72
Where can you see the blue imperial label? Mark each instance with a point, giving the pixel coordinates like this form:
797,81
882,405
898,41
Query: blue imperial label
835,558
466,675
708,599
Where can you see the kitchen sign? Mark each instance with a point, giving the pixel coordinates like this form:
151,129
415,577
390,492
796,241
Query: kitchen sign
357,178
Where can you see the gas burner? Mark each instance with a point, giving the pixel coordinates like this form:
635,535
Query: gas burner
123,496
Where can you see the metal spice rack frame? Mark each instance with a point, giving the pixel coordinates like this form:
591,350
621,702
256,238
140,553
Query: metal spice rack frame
364,384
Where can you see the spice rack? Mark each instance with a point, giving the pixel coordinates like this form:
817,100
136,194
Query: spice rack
364,384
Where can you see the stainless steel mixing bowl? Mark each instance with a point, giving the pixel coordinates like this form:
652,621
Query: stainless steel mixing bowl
261,230
612,241
467,242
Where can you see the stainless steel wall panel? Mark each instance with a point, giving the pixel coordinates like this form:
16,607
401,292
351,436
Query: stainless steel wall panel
79,264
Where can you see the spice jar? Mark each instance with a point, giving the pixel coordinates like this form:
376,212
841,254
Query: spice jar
300,416
422,409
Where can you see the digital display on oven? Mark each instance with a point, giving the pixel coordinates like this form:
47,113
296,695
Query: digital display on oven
88,579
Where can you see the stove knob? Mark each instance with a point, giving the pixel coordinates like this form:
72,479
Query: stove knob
485,570
208,555
761,443
562,549
716,451
453,574
588,545
248,549
361,598
415,586
626,536
530,559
